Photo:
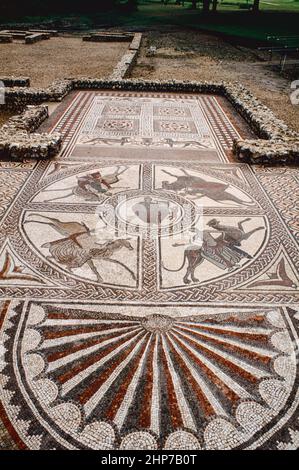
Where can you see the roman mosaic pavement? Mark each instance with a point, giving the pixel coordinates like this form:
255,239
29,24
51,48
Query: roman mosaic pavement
148,283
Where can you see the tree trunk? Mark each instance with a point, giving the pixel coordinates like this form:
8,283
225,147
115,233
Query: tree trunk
215,3
256,6
206,6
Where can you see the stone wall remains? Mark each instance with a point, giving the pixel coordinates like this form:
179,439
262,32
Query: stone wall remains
18,140
277,144
15,81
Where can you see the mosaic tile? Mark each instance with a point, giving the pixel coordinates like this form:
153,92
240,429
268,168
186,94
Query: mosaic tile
148,284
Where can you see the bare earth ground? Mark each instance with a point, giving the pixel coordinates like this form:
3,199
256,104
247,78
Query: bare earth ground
179,55
59,58
196,56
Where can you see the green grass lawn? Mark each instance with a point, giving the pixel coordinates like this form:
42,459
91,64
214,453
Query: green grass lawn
265,5
277,17
155,7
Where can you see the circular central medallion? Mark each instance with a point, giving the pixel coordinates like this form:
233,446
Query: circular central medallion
150,214
157,323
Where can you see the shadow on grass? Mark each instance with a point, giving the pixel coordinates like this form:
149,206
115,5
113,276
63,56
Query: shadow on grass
239,24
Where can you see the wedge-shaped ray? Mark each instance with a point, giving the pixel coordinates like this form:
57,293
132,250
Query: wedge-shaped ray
83,321
232,329
78,376
155,403
236,365
125,395
54,342
206,398
185,413
61,332
93,393
81,353
213,371
252,352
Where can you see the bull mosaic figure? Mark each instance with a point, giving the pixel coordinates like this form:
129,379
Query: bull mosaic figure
197,187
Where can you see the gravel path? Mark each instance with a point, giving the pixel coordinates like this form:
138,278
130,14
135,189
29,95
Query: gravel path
196,56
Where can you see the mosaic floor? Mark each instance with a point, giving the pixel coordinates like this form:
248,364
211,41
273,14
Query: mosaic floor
148,284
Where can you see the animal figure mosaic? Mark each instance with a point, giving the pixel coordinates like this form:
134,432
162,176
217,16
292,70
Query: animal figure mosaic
78,248
223,251
90,187
190,185
149,142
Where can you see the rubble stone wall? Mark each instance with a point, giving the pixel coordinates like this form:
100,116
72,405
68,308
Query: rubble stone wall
276,143
18,140
5,39
17,98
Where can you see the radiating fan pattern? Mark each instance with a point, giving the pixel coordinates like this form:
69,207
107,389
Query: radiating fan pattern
156,372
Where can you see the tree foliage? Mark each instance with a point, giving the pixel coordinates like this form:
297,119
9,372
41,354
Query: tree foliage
41,7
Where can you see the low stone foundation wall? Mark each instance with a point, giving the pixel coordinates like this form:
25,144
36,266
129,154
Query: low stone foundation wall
15,81
265,151
136,42
17,98
104,36
28,121
35,37
124,67
28,36
51,32
260,118
59,89
18,140
5,39
276,144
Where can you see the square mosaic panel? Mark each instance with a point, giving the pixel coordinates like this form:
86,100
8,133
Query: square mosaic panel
121,110
174,127
116,126
167,111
